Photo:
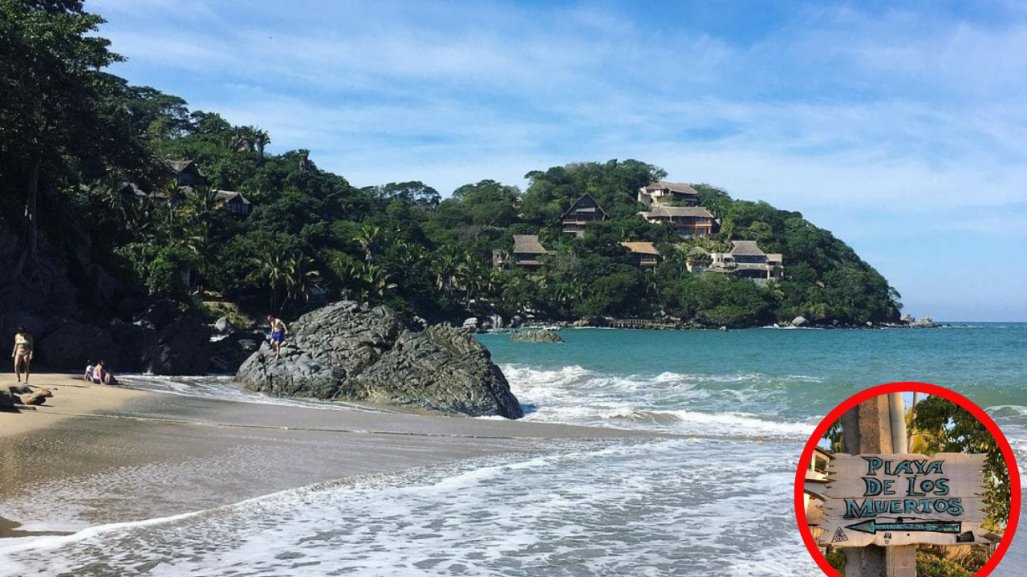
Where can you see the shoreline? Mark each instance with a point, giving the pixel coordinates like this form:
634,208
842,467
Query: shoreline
651,325
95,455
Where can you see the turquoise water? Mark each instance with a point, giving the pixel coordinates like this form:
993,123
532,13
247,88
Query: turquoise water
985,362
715,501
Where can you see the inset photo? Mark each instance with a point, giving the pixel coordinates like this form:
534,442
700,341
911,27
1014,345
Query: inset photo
907,480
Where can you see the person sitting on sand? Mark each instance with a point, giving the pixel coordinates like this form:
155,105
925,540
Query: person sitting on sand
97,376
102,376
108,378
278,332
22,353
88,376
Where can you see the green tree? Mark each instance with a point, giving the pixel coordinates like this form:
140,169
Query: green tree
56,116
951,428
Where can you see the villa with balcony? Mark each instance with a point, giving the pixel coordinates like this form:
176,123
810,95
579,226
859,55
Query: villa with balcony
662,193
583,212
747,260
527,252
688,221
644,254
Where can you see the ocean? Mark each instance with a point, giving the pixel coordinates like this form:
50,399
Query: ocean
714,501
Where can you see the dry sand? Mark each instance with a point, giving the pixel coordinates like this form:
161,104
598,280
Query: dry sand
96,454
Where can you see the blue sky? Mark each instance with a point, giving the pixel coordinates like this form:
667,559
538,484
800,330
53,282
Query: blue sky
898,126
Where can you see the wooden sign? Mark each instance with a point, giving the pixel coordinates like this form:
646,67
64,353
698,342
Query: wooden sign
903,500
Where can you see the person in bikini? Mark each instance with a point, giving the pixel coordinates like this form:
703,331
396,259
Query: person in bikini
278,332
22,353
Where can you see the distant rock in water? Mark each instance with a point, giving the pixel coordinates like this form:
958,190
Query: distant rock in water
923,323
536,337
345,352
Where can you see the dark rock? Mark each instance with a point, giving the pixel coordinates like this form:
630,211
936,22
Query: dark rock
182,348
159,314
344,352
133,341
8,398
229,353
35,396
129,307
72,344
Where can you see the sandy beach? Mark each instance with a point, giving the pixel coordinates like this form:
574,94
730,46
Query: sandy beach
95,454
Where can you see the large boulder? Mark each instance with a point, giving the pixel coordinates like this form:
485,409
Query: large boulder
231,351
71,345
134,339
343,351
182,348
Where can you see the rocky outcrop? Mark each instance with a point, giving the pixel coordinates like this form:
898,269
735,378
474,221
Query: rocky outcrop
229,353
161,340
14,395
536,337
183,348
343,351
923,323
72,344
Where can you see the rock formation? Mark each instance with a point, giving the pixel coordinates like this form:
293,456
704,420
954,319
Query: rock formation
536,337
343,351
14,395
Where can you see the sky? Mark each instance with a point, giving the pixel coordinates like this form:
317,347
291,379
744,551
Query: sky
899,126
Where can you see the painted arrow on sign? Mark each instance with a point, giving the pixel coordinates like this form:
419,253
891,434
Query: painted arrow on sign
872,527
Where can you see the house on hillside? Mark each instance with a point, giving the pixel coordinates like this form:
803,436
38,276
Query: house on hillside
687,220
131,192
644,253
527,253
697,260
583,212
233,202
662,193
186,173
747,260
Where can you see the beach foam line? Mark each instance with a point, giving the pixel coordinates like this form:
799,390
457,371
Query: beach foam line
51,542
448,473
167,421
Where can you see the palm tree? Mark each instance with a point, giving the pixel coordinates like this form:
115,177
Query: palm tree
444,265
377,282
370,238
261,140
270,269
301,276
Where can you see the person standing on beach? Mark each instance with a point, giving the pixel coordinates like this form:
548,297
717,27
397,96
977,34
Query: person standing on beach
22,353
278,332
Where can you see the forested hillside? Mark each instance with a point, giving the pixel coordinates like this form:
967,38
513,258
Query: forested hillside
88,198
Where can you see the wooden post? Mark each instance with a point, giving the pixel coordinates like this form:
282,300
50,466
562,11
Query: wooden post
868,428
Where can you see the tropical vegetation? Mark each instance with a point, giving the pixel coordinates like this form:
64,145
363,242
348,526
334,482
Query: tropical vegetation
82,149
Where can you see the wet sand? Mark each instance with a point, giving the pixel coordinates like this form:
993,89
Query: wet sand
96,455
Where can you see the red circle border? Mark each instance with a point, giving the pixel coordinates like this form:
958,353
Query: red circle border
908,387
